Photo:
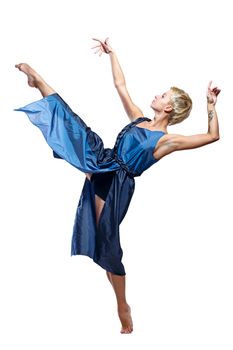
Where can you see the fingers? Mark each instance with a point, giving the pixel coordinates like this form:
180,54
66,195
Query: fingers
99,51
210,88
101,47
100,41
105,42
95,46
215,89
96,40
18,66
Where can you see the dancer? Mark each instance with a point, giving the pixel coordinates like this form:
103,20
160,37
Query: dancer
109,183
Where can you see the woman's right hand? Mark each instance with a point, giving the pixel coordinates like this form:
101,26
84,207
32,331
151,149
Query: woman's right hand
103,46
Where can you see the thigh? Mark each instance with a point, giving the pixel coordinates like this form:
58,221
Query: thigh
99,204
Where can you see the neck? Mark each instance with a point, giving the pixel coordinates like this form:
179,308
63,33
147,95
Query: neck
159,122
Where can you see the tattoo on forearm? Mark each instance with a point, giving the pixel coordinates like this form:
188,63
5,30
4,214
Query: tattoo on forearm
210,115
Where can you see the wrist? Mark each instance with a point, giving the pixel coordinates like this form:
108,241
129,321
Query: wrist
211,101
211,108
210,104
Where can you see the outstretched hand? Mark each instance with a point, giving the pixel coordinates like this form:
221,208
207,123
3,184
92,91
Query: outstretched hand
103,46
212,94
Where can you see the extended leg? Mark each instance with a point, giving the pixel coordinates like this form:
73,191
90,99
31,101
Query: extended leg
118,284
35,80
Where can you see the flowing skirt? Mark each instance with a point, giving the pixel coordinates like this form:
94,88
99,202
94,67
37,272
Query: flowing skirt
72,140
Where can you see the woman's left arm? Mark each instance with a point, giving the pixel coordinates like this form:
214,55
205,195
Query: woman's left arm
180,142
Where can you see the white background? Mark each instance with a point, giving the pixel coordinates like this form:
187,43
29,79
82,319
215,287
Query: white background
177,235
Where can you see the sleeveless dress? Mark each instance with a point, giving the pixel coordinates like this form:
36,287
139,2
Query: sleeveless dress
72,140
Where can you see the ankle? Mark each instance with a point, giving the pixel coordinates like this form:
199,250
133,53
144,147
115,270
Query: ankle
44,88
123,305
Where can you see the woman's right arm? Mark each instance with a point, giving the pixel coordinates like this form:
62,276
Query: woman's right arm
131,109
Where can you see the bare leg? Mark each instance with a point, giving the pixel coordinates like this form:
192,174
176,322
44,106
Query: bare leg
88,175
124,310
118,284
35,80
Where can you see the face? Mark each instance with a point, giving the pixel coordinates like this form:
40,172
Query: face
162,102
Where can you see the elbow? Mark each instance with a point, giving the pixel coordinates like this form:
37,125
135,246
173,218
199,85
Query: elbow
215,138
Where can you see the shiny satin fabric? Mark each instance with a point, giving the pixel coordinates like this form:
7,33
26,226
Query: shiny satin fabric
72,140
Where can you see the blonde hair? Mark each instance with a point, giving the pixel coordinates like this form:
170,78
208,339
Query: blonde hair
182,105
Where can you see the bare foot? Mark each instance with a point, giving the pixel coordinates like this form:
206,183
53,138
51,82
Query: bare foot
33,78
124,313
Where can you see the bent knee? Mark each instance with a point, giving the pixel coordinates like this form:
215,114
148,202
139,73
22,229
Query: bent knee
88,175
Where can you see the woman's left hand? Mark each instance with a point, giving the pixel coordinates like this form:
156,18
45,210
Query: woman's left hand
212,94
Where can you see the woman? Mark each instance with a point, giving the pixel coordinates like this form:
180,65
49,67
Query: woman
110,173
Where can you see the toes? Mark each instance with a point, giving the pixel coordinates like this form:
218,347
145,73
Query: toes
19,66
126,330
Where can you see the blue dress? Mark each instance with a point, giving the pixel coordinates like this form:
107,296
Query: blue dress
72,140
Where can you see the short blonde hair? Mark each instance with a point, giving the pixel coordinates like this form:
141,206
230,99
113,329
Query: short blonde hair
182,105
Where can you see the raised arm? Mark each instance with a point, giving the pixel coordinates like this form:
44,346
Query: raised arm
180,142
131,109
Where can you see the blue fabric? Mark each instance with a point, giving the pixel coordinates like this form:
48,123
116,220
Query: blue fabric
72,140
